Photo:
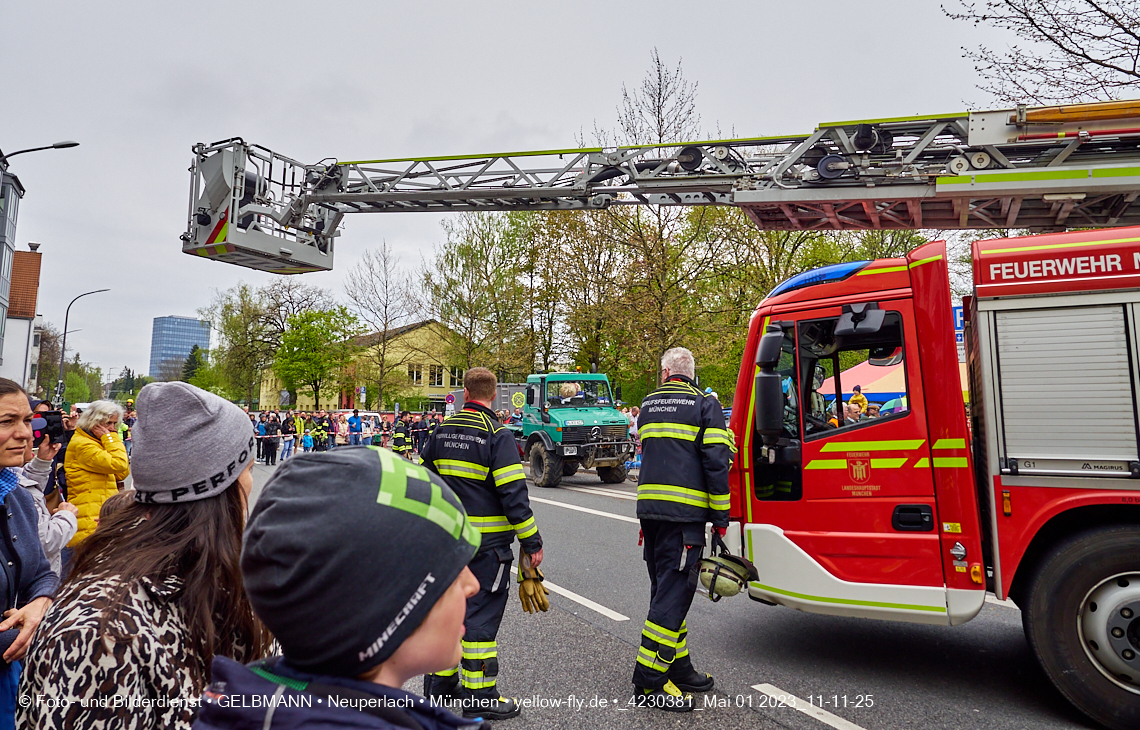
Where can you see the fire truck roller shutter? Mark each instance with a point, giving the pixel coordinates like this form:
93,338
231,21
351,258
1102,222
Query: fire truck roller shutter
1065,391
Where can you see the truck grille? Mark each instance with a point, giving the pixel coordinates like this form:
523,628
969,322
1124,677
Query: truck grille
581,434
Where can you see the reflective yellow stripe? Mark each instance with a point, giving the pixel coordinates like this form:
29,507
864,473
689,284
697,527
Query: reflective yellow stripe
479,644
949,444
508,474
717,436
887,463
651,660
920,262
491,524
908,445
669,493
447,672
827,464
662,630
922,463
481,654
457,468
681,431
660,635
885,270
719,501
950,462
526,528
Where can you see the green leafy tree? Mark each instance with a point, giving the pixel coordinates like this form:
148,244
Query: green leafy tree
315,350
194,361
75,389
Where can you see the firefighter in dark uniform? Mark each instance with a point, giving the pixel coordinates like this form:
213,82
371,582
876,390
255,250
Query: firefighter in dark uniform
682,485
479,460
402,437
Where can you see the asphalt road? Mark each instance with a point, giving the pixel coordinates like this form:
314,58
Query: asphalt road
868,674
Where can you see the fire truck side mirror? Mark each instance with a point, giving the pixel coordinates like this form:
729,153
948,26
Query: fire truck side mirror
769,390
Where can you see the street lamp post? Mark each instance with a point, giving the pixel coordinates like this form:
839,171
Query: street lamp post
57,146
63,345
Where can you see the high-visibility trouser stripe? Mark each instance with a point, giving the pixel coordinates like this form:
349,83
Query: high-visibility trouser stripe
457,468
480,653
526,528
508,474
719,501
660,634
476,680
491,524
683,644
447,672
650,659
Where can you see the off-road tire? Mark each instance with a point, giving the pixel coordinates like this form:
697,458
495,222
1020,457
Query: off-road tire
1052,620
612,474
545,466
569,468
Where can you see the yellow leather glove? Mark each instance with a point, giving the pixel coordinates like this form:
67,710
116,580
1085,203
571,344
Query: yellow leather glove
531,591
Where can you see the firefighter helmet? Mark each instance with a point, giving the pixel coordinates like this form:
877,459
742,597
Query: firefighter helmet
725,574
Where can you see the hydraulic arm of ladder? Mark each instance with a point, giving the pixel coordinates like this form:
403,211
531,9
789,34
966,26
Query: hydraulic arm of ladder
1039,168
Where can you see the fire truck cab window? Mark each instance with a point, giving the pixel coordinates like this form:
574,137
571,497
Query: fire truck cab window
782,481
829,377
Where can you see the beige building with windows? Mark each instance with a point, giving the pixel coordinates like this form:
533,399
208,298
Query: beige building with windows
418,377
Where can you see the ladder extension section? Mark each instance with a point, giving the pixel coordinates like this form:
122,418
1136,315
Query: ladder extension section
1045,168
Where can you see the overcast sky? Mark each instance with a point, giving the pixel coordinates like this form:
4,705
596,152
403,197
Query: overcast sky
137,83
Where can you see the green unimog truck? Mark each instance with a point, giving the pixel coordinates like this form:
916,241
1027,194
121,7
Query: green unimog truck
569,421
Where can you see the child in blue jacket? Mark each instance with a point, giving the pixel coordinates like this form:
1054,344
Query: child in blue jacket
307,441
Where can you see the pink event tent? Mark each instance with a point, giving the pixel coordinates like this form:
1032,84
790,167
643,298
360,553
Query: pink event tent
880,384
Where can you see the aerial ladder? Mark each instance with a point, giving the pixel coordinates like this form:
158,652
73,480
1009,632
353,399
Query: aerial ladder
1036,168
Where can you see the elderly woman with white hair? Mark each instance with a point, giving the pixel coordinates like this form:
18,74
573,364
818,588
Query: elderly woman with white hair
96,462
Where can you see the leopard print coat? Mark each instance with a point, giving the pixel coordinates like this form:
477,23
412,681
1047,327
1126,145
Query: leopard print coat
76,678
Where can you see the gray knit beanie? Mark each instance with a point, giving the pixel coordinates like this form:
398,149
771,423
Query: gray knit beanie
189,444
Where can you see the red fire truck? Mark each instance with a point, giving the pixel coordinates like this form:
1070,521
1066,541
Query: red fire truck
915,514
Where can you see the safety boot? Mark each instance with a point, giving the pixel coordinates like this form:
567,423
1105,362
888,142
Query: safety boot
489,706
687,679
668,698
441,690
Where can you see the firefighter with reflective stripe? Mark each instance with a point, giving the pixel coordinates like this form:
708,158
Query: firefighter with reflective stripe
685,452
479,460
402,438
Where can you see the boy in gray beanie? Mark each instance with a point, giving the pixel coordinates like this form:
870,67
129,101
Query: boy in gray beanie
356,560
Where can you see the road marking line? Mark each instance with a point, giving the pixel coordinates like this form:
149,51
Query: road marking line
603,493
587,510
991,598
807,708
608,613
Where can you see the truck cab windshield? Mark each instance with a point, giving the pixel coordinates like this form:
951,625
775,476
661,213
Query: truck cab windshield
578,394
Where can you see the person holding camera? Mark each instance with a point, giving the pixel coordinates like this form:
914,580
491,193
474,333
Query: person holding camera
56,525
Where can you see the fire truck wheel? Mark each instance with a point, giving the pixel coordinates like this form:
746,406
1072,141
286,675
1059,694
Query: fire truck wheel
612,474
1082,619
569,468
545,466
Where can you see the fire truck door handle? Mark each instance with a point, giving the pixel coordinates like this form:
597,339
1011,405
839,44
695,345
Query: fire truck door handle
913,518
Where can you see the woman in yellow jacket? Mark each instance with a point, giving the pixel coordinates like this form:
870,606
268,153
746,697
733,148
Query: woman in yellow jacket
96,461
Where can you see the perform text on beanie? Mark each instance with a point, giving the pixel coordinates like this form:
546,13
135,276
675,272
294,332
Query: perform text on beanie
408,608
201,487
